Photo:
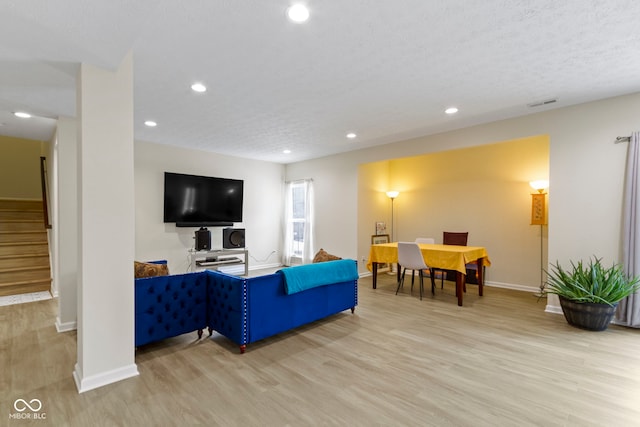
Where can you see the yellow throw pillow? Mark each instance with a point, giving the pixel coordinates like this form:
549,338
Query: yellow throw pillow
323,256
146,269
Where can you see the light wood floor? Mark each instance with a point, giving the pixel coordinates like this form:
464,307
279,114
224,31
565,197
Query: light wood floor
497,361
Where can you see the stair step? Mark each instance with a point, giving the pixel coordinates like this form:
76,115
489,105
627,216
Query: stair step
24,248
10,214
24,268
25,287
21,225
21,274
22,236
25,260
23,204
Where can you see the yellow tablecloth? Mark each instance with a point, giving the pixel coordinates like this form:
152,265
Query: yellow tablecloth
448,257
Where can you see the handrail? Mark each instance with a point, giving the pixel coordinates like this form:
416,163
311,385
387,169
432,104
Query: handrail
43,181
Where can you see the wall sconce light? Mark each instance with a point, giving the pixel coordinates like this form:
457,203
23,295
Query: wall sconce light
392,195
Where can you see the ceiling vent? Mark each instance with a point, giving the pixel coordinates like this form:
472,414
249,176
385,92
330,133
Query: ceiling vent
540,103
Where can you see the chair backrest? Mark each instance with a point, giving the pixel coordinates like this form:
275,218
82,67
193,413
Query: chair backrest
455,238
429,240
409,256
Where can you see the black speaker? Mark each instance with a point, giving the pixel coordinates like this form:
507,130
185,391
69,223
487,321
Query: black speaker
233,238
203,239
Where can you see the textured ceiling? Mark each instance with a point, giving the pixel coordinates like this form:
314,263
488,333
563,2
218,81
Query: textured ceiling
384,70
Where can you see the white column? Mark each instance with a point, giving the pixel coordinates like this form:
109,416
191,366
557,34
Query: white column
106,226
66,224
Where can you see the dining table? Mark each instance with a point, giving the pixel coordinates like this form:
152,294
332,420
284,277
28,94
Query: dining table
446,257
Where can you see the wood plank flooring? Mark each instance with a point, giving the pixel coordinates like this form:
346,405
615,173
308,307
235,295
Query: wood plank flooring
498,361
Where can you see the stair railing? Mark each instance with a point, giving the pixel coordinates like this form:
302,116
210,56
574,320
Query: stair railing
45,192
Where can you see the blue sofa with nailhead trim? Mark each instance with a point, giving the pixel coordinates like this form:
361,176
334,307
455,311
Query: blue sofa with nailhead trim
246,310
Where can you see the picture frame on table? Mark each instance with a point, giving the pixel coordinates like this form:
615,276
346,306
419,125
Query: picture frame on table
381,228
377,239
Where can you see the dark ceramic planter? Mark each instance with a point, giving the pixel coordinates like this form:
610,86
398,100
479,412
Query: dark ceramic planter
587,315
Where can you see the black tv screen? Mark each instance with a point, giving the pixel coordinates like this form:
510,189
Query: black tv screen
191,200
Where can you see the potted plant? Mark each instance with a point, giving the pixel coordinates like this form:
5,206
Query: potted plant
589,293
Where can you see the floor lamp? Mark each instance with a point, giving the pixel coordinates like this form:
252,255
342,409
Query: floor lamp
392,195
539,217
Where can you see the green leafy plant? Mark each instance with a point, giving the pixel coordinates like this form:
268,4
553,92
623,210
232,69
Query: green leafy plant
591,282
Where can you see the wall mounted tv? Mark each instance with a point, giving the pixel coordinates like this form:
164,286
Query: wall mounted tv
195,201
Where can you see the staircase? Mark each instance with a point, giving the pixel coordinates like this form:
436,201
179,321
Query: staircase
24,250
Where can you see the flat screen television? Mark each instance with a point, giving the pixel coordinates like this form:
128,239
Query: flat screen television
195,201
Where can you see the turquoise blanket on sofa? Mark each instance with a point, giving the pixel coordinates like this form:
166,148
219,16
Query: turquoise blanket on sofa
303,277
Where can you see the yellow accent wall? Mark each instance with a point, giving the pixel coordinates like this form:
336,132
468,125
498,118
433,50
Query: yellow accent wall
483,190
20,168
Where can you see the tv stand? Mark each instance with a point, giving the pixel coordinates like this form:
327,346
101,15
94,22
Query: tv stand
216,258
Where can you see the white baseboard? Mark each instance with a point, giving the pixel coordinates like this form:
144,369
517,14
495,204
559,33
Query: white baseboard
266,266
553,309
89,383
513,286
66,326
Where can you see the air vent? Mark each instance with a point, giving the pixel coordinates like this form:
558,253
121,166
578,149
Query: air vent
540,103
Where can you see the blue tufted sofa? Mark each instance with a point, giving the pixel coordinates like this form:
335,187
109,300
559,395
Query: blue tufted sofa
244,310
167,306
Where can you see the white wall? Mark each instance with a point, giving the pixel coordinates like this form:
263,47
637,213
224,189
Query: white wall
586,176
65,225
106,226
262,210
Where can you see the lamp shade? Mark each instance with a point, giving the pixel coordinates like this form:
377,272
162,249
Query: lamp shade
539,185
392,194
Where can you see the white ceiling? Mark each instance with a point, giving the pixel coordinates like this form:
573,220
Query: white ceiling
385,70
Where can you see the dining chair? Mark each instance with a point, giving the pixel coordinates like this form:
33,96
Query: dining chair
438,274
458,238
427,240
410,258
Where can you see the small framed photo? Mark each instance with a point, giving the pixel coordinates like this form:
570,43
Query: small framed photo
377,239
381,228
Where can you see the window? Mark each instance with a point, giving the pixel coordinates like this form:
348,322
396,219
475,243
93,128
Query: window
299,222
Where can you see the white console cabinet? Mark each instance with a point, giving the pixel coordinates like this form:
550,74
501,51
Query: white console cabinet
216,258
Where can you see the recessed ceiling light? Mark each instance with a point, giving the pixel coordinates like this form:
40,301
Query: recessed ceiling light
198,87
150,123
286,151
22,114
351,135
298,13
451,110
